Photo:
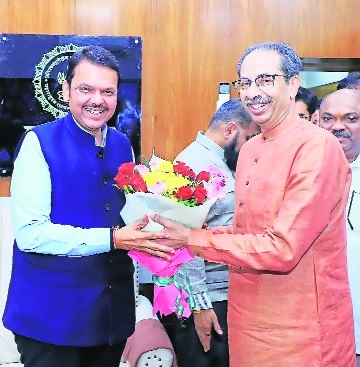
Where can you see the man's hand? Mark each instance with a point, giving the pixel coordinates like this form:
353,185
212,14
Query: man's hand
132,238
205,321
177,234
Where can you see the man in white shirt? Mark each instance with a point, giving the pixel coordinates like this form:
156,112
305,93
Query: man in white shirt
340,114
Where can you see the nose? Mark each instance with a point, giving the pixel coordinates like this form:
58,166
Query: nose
252,91
96,97
338,125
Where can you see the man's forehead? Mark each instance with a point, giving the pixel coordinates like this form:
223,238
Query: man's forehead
261,61
342,99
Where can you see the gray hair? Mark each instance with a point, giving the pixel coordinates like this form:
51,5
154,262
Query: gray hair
290,64
231,110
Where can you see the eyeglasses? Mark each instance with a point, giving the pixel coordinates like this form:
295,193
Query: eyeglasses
303,116
262,81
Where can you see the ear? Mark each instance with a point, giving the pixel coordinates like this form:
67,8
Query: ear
294,83
230,130
66,91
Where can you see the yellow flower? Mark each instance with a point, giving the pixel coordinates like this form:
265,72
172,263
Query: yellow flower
166,166
171,180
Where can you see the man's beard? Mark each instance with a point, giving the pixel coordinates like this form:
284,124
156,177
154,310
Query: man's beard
231,154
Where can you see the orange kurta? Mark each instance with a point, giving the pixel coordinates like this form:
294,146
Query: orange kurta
289,298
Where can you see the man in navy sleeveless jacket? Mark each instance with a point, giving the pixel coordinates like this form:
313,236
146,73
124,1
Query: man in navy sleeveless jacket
71,295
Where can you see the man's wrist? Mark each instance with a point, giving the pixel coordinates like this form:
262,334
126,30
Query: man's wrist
196,311
187,234
113,230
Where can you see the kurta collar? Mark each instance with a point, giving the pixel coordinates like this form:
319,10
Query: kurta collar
280,129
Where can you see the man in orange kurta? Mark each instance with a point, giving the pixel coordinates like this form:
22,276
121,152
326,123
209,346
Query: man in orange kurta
289,298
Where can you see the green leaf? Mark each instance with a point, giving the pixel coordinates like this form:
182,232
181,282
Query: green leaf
146,162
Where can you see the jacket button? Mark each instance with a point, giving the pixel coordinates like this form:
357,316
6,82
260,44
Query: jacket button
241,205
107,207
256,160
105,181
247,183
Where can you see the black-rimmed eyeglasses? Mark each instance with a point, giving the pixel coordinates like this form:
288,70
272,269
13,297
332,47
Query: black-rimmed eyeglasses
262,81
304,117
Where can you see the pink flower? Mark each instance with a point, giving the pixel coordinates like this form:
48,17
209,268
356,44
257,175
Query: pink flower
215,189
141,168
158,188
216,186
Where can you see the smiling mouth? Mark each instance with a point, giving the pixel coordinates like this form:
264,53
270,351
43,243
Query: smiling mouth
258,106
95,111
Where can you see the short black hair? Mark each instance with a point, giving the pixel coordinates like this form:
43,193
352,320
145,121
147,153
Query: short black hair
308,97
352,80
232,110
319,103
95,54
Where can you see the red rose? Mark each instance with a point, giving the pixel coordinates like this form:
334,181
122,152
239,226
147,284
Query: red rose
184,193
182,169
127,168
121,181
138,183
203,176
199,194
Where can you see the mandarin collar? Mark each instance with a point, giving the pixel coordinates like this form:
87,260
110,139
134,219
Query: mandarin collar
104,129
280,129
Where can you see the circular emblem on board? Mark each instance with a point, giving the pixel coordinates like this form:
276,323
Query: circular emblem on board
49,76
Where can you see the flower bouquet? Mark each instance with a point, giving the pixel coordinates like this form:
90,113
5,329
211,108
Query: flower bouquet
176,192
